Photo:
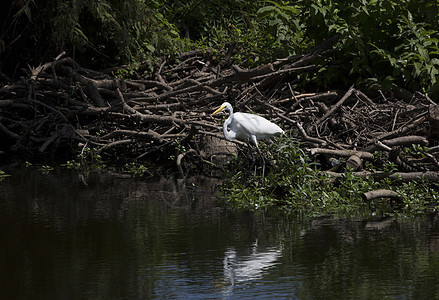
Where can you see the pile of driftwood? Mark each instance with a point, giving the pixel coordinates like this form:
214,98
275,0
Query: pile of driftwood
62,105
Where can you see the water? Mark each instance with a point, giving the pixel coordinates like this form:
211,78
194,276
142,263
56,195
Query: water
107,236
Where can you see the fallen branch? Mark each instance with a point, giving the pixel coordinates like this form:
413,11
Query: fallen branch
346,153
397,176
371,195
336,106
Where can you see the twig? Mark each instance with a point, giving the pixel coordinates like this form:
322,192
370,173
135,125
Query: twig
336,106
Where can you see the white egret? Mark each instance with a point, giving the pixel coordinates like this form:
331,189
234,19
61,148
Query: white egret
248,128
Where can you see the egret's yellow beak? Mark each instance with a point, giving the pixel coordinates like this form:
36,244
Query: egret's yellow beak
218,110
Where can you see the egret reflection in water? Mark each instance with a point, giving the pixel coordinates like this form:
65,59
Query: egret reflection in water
243,268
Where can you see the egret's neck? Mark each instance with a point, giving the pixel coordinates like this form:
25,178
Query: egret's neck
229,134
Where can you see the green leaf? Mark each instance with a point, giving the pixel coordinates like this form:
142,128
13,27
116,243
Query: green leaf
423,52
392,61
284,16
265,11
417,69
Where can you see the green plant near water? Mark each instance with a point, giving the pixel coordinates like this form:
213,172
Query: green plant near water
179,148
87,159
72,164
136,169
295,183
3,175
46,169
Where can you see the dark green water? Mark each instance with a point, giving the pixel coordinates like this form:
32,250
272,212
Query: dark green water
64,236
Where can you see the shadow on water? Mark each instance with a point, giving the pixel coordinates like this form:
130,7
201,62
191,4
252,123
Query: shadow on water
110,236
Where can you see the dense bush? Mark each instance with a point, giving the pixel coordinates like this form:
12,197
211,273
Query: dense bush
383,43
97,32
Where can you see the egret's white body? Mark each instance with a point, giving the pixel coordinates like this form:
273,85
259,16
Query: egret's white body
248,128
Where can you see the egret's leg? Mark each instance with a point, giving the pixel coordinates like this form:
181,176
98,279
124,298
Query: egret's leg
251,153
263,165
252,163
255,141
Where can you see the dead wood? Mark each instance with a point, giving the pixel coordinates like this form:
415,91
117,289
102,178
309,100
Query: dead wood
406,141
431,176
148,118
348,153
399,141
336,106
371,195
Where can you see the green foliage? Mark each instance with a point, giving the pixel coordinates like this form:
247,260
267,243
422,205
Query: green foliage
295,183
415,150
46,169
415,58
90,157
179,148
137,170
87,159
260,30
128,72
382,43
72,164
96,32
390,167
3,175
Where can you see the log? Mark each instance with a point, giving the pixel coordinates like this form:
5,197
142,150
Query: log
360,154
354,162
431,176
399,141
406,141
382,193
